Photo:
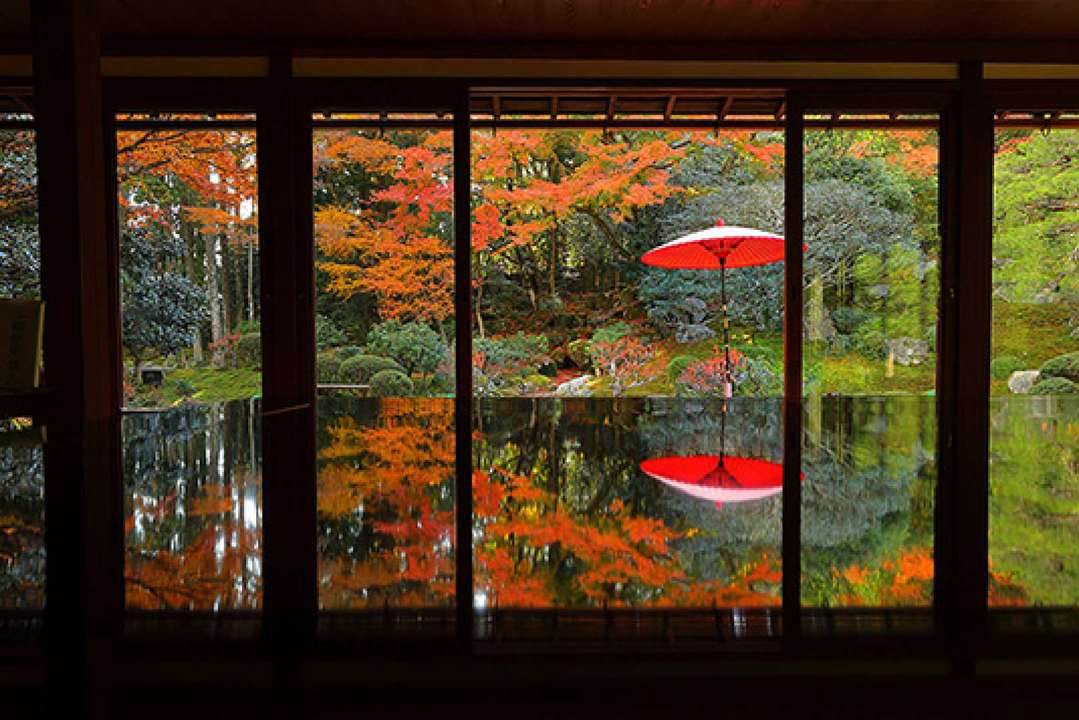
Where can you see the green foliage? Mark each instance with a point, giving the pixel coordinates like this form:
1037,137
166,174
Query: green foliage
360,369
869,339
213,385
246,327
1062,366
756,377
1002,367
248,350
1034,496
678,365
391,383
518,354
580,353
414,345
1035,250
538,382
183,388
160,309
611,333
327,334
1054,386
347,351
1032,332
327,365
848,319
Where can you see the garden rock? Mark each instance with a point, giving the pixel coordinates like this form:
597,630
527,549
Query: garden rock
1022,380
692,332
908,351
577,387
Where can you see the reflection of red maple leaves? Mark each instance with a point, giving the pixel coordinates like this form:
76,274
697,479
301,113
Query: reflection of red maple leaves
393,476
213,570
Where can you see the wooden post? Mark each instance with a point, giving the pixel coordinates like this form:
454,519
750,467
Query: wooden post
972,271
792,370
462,278
84,521
290,577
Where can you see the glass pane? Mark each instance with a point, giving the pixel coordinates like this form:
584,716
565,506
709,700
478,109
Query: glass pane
22,486
1034,408
384,333
871,288
20,263
22,516
189,290
610,467
193,524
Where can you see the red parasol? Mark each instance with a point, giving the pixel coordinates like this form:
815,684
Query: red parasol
718,478
719,248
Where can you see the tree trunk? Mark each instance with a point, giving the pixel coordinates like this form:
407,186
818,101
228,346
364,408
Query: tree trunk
479,311
217,358
225,284
553,269
250,280
189,271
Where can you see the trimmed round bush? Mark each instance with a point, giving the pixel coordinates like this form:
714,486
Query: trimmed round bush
327,365
249,350
414,345
360,369
678,365
1001,368
390,383
1054,386
1062,366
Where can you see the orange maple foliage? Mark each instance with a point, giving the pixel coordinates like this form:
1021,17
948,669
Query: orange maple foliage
520,526
397,243
394,474
218,166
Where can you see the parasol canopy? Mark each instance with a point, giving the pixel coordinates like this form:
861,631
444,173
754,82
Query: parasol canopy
719,479
722,246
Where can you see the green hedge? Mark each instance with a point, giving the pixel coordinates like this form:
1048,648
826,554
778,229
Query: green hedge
1054,386
360,369
1001,368
249,351
1062,366
391,383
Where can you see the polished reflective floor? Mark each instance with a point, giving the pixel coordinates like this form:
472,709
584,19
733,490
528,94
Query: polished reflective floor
578,504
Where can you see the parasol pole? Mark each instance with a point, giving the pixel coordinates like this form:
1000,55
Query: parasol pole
727,385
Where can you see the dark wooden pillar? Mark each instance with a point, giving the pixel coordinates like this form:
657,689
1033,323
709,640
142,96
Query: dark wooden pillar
84,524
972,273
462,277
290,578
794,221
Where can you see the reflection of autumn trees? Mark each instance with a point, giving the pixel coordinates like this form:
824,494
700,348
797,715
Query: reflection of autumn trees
385,502
22,520
193,523
535,551
564,518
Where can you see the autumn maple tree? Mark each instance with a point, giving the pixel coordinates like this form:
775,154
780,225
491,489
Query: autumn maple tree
196,190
